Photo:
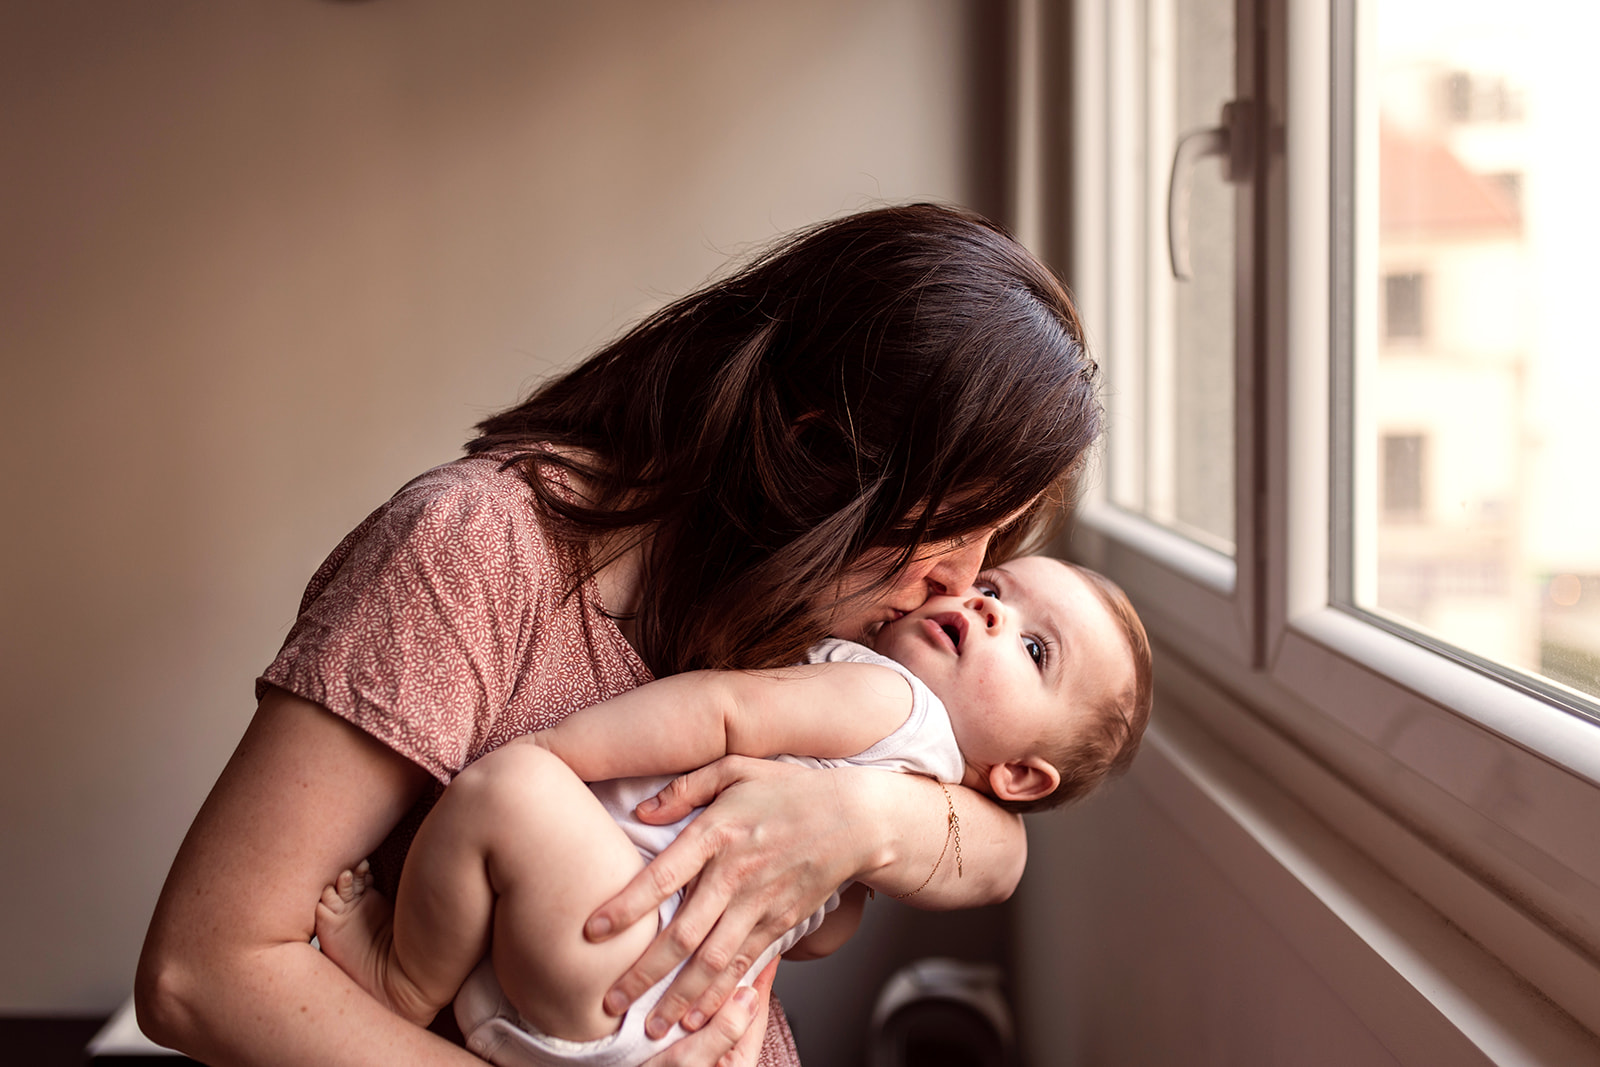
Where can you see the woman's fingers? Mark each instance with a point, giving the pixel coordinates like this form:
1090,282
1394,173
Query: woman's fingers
760,858
720,988
681,937
678,863
748,1049
734,1035
724,956
720,935
672,869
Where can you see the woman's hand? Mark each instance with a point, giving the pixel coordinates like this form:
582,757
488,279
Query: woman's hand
735,1034
776,841
772,847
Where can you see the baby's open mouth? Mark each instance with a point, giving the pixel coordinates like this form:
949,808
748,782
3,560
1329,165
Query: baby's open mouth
954,627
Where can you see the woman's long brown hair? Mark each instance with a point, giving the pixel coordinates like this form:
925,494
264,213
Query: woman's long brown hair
874,384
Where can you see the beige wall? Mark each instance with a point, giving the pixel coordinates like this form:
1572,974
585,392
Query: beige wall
262,262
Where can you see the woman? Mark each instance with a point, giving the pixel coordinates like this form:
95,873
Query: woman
809,447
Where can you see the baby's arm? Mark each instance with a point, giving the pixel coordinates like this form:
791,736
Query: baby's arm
685,721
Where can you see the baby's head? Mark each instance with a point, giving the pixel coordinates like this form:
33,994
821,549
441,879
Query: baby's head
1045,670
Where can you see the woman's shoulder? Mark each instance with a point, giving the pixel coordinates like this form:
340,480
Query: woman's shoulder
489,483
488,480
474,498
473,516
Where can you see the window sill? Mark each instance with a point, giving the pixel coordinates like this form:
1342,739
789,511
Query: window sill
1486,871
1427,991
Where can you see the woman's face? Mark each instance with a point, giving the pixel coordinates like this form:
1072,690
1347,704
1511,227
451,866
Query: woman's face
947,568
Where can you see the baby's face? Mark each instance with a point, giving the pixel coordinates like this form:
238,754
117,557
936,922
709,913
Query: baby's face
1014,658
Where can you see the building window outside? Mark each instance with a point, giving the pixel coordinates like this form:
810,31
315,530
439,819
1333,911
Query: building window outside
1403,460
1402,306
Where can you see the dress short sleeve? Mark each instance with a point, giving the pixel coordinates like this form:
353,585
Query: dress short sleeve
449,622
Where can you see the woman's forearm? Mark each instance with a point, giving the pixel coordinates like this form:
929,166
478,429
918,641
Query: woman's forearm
975,859
281,1004
228,974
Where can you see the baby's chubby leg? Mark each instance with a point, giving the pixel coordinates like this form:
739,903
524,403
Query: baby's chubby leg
520,846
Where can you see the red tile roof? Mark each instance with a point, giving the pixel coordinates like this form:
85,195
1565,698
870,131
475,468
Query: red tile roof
1425,189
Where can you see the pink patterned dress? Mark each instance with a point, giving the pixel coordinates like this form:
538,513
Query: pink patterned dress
447,624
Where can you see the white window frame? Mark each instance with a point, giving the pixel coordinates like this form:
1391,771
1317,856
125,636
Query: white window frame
1188,581
1479,794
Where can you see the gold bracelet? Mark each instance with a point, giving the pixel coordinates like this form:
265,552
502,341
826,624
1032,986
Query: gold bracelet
952,829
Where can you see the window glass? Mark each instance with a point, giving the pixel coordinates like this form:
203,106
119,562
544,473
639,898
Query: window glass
1475,442
1172,378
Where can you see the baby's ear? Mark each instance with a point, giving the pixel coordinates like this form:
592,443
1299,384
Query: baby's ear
1024,780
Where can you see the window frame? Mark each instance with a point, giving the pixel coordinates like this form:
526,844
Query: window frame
1495,778
1157,566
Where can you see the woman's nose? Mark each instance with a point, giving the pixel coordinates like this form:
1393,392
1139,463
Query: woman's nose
957,569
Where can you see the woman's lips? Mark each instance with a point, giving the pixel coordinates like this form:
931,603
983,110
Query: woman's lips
874,628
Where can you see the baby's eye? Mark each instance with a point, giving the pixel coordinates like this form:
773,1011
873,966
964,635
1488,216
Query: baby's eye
988,589
1035,650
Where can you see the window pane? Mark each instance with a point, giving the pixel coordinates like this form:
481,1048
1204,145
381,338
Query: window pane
1476,438
1172,374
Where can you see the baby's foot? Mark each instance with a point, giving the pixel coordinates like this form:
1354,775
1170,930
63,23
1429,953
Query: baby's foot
355,926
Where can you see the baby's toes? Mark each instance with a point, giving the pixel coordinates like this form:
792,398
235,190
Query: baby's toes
348,887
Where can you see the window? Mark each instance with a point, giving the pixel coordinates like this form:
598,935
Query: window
1174,403
1402,306
1474,95
1402,475
1337,268
1473,530
1568,620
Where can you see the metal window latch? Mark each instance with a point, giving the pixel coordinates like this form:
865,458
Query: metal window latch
1232,141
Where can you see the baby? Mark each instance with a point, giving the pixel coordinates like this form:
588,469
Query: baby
1031,688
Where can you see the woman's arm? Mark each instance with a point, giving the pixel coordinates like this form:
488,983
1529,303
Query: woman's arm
685,721
228,974
775,842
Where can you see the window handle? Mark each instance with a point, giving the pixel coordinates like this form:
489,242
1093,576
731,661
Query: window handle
1230,140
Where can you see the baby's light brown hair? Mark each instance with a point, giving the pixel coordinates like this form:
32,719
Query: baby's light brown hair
1105,742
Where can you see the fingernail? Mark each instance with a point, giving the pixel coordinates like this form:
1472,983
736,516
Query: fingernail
649,804
746,996
655,1028
694,1020
598,927
616,1003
